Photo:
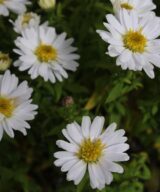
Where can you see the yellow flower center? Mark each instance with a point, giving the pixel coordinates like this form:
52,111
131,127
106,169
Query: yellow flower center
126,6
46,53
91,151
5,61
6,106
26,18
135,41
4,57
1,1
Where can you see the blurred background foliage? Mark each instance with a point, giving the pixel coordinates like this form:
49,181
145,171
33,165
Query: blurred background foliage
99,87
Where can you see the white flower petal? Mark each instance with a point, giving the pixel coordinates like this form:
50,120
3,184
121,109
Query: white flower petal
117,157
96,127
1,132
86,123
74,133
113,167
108,175
110,130
92,175
77,175
148,68
69,164
118,148
7,129
67,146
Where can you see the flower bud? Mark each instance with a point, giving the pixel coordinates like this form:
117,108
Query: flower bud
67,101
5,61
47,4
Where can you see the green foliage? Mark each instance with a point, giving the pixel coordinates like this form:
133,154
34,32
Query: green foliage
99,87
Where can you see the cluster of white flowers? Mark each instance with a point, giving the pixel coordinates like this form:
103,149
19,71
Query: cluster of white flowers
42,52
15,99
132,35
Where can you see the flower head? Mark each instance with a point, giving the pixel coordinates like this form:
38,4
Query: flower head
5,61
46,54
16,6
15,105
26,20
90,148
133,41
141,7
47,4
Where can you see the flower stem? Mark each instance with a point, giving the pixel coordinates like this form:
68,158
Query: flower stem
82,185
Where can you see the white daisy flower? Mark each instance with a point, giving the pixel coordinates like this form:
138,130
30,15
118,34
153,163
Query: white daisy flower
141,7
15,105
16,6
133,41
90,149
46,54
26,20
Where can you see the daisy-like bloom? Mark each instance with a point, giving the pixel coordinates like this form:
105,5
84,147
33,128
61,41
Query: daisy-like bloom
15,105
133,41
26,20
46,54
91,149
5,61
16,6
141,7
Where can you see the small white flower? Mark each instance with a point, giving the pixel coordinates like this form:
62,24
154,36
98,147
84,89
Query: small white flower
141,7
133,41
26,20
89,148
16,6
46,54
15,105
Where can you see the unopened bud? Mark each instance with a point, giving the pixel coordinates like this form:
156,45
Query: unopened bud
47,4
5,61
67,101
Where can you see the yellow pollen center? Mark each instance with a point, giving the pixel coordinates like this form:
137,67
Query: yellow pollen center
6,107
126,6
90,151
4,57
26,18
135,41
46,53
1,1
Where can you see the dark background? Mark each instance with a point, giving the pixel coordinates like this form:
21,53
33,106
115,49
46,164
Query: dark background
99,87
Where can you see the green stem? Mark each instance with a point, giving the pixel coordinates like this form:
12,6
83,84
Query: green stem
82,185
